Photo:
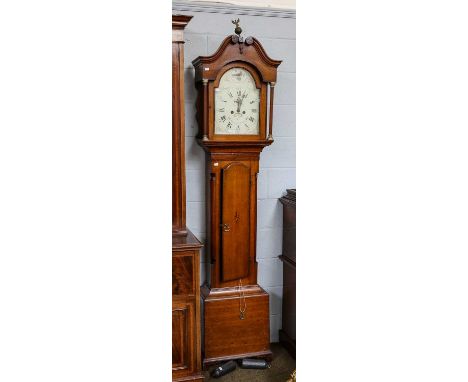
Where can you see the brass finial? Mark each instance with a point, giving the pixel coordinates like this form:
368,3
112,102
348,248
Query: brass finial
238,29
238,39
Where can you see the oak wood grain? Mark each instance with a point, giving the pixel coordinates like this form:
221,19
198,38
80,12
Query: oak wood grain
186,325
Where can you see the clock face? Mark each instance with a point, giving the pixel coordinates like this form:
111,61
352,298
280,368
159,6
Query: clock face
237,104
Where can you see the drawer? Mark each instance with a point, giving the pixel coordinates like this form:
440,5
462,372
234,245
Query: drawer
183,273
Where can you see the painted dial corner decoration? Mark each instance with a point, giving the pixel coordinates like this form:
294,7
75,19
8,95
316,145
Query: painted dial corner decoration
237,103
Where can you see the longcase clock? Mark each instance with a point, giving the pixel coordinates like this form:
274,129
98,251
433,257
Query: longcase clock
234,109
186,344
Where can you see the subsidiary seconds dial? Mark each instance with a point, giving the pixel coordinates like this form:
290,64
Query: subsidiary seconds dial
237,103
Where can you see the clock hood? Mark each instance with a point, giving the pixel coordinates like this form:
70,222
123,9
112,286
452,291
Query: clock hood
233,49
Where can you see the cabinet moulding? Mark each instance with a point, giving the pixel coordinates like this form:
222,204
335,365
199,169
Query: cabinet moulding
182,6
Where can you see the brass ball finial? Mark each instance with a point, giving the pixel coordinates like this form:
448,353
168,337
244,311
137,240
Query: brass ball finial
238,29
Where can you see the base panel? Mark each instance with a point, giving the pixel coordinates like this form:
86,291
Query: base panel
267,355
226,335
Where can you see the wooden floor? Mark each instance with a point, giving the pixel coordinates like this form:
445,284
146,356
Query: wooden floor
281,368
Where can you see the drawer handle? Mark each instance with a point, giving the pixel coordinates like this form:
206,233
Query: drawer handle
226,227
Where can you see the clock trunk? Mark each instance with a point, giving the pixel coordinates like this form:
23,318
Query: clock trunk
232,218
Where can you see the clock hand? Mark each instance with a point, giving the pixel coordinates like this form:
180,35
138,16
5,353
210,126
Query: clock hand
242,100
241,105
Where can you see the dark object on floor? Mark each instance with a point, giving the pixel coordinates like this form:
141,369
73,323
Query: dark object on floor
281,368
224,369
287,335
251,363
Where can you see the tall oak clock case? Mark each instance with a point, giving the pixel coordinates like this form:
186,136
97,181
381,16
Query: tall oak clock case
234,110
186,344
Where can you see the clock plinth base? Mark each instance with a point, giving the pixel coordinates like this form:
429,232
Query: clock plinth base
226,335
266,355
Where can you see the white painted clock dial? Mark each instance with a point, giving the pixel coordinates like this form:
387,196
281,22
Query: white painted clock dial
237,104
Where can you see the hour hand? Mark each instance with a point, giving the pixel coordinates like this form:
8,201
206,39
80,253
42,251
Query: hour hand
239,102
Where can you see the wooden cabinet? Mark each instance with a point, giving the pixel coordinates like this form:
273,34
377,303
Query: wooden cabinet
287,334
186,345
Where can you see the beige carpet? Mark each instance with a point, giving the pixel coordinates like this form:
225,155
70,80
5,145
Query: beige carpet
281,368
